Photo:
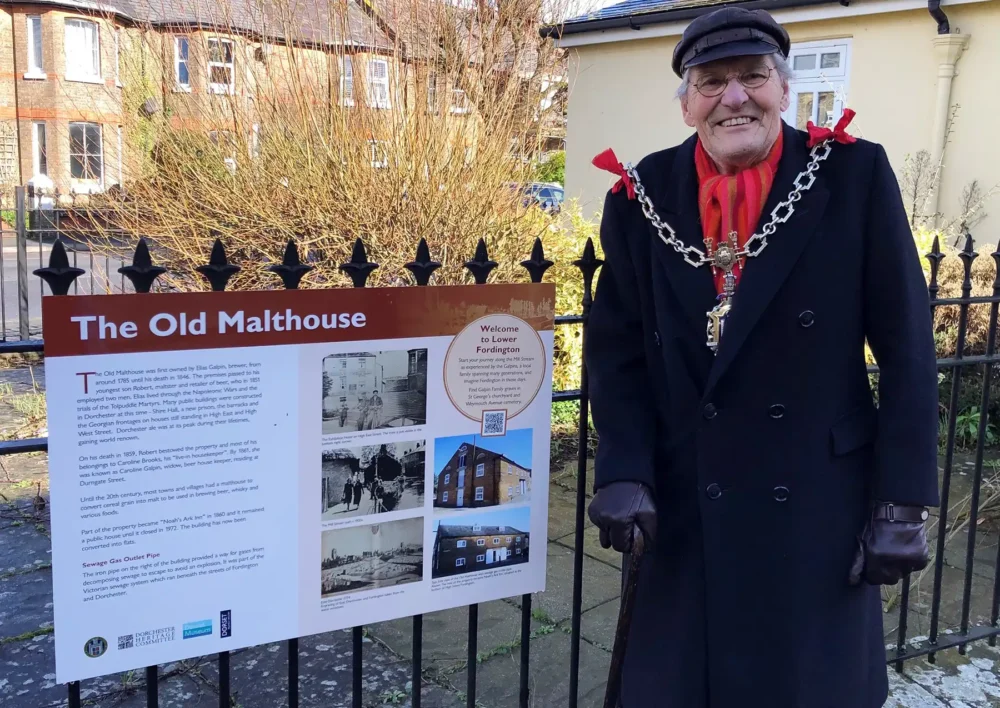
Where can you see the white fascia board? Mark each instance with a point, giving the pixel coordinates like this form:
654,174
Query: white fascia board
787,16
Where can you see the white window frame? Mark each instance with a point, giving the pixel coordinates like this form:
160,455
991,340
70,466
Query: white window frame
508,540
447,478
215,86
481,558
461,106
178,84
460,544
346,80
444,496
121,167
459,562
479,493
36,59
480,541
76,65
376,147
38,127
118,55
496,540
517,551
87,182
375,99
432,92
481,469
461,460
517,539
819,80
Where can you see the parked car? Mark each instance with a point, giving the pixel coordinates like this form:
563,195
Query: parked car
547,195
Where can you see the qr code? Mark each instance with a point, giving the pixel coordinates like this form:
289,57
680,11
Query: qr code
494,423
126,641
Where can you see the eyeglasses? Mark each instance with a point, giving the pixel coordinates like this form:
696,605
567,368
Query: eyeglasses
712,86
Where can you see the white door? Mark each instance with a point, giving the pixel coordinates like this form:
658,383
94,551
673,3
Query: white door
459,501
490,556
503,555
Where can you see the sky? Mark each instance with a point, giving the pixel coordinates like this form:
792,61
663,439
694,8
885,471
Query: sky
519,517
516,445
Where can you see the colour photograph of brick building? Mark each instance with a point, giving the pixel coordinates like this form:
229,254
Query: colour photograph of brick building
473,472
480,542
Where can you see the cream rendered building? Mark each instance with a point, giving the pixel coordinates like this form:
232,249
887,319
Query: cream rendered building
904,66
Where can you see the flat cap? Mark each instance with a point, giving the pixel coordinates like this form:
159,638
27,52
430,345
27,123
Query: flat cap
729,32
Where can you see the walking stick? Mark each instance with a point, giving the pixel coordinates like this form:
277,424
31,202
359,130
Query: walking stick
624,622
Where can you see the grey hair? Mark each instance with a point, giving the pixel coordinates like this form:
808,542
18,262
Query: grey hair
781,64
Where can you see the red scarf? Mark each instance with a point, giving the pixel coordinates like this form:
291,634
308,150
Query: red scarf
733,202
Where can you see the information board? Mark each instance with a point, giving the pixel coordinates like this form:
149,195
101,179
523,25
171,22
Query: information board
231,469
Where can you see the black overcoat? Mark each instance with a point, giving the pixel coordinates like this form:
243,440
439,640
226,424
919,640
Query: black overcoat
764,456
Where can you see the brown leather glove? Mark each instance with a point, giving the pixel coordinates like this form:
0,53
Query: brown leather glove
621,511
892,545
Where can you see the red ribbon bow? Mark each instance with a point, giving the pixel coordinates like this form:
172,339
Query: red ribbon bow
607,161
839,132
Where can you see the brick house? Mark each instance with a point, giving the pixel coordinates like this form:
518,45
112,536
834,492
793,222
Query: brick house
476,477
465,548
67,76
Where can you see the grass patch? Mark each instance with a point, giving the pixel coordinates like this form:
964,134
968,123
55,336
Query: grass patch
20,360
31,405
565,443
40,632
24,571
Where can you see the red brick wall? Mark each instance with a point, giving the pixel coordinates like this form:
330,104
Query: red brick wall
56,100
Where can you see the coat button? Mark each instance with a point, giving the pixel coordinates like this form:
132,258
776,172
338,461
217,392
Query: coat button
807,318
780,494
713,491
776,411
709,411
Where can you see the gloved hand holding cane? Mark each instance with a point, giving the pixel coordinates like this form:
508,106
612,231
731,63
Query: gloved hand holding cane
625,514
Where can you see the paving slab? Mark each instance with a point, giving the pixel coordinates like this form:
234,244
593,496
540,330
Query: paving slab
445,636
548,681
598,625
954,681
562,512
984,556
601,583
22,546
25,602
259,675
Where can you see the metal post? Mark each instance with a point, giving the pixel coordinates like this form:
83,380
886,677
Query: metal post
21,238
418,647
358,676
152,686
470,680
525,649
293,673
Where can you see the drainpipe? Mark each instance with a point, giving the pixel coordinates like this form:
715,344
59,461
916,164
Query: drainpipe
948,50
17,103
934,7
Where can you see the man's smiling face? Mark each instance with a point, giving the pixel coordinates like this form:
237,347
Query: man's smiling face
736,105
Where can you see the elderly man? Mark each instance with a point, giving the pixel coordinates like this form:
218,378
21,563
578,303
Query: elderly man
745,270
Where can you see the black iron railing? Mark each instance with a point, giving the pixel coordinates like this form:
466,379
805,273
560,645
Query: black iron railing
61,275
